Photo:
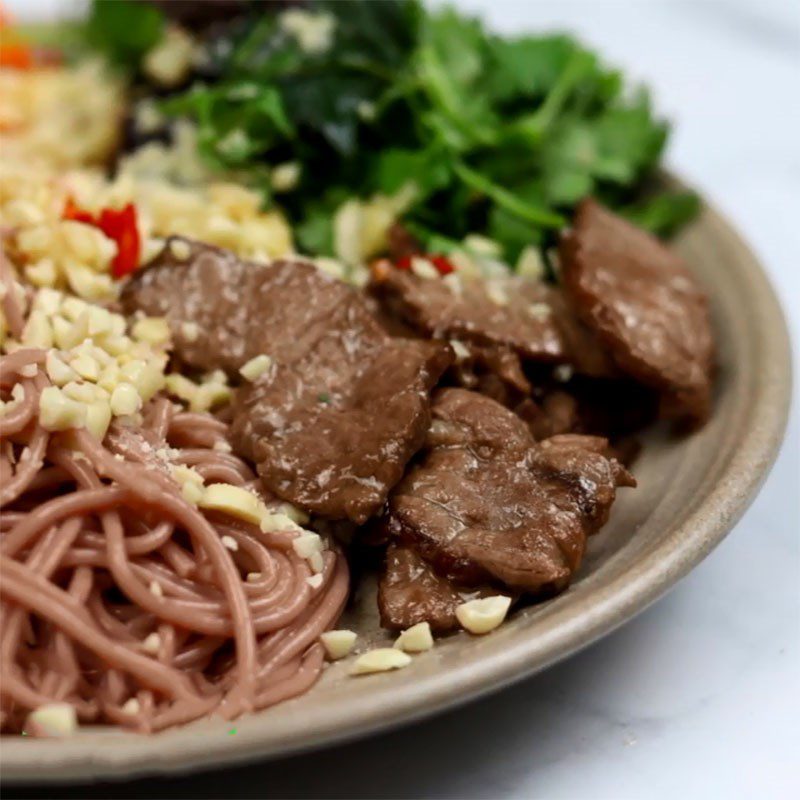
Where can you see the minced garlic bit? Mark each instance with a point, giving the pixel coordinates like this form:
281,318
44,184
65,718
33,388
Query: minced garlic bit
285,177
153,330
460,349
97,370
312,31
255,367
190,331
483,614
169,62
57,412
338,643
53,720
151,644
125,400
155,589
191,483
253,577
212,391
233,500
423,268
230,543
540,311
180,249
563,372
530,263
496,294
416,639
98,418
453,282
382,659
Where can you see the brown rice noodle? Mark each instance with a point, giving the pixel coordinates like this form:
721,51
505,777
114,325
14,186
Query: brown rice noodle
88,529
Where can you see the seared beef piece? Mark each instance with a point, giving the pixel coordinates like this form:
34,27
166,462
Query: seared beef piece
223,311
333,430
611,408
495,371
487,503
501,322
511,312
402,243
643,304
410,591
343,406
557,412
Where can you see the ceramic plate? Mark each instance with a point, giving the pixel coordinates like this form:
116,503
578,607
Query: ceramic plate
691,492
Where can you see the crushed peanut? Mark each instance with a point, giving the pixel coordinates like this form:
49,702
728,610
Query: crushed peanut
131,706
256,367
234,501
416,639
53,720
382,659
151,644
483,614
314,581
338,643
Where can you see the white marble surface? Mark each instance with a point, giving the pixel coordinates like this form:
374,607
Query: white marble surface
699,697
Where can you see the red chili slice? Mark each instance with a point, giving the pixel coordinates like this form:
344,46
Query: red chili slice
442,263
119,225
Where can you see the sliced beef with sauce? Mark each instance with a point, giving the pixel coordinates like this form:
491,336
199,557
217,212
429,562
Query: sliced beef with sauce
613,408
498,324
644,305
487,503
411,591
342,407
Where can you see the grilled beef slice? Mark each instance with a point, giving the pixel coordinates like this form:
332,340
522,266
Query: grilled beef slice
500,324
643,304
343,406
411,591
487,503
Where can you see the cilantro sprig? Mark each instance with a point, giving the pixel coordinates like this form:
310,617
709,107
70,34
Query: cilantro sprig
495,135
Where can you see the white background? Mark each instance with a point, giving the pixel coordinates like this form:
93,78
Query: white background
699,697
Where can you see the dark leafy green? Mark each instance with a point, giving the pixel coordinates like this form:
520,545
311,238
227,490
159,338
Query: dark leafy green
496,135
124,30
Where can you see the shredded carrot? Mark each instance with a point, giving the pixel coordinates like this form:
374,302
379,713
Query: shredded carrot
15,53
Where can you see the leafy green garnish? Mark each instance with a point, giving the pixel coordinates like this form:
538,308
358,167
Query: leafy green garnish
124,30
665,213
481,133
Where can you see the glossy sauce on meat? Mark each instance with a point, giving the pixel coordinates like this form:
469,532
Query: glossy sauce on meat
644,305
343,406
485,502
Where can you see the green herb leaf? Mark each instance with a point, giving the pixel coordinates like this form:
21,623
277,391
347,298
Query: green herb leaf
666,213
123,30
